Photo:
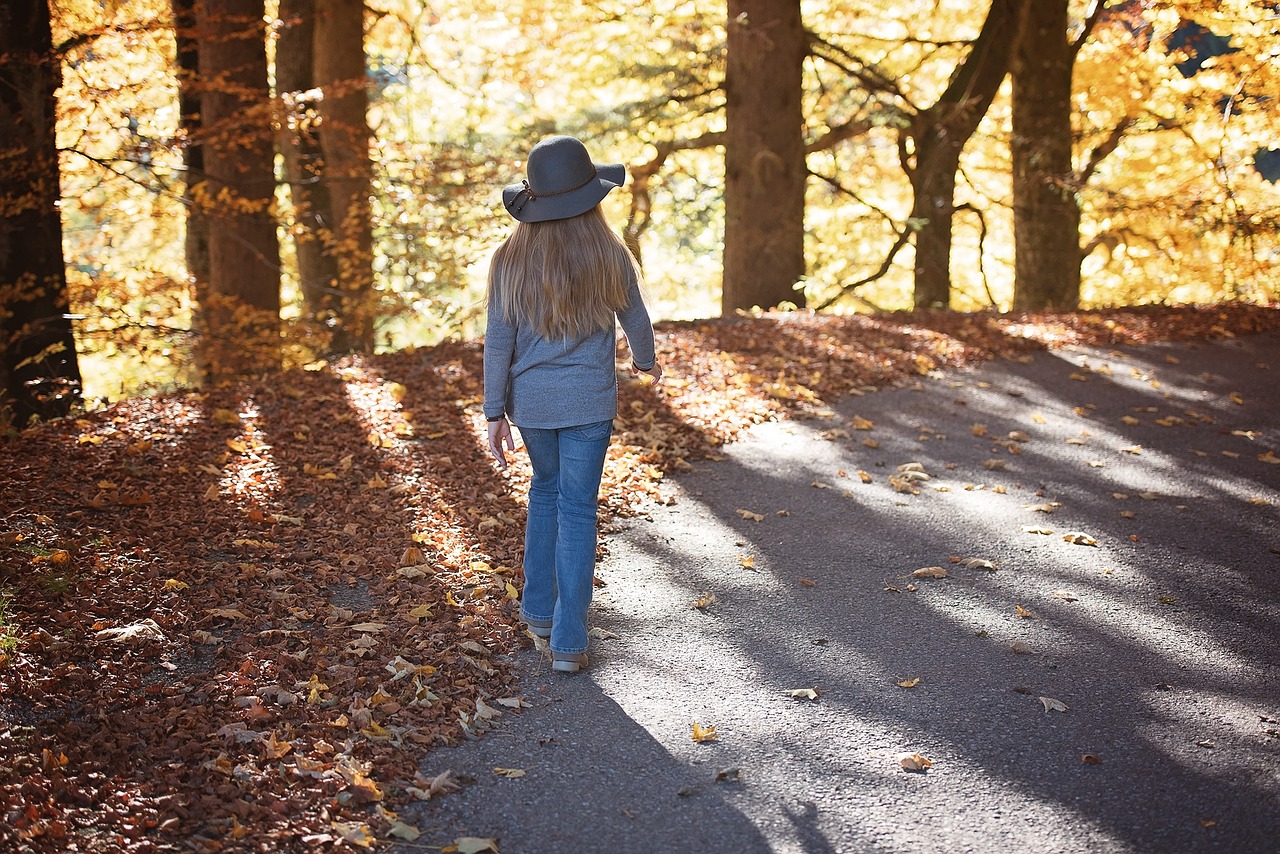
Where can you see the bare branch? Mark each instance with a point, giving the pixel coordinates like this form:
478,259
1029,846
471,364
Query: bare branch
1089,23
1108,145
903,237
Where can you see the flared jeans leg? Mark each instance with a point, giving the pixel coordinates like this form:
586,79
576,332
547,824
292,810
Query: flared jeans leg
560,535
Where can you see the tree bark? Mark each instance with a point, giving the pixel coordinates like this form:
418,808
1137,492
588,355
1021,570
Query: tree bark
39,371
1046,211
344,141
938,134
196,237
764,155
300,148
242,307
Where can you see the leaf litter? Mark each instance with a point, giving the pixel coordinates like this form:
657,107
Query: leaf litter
266,550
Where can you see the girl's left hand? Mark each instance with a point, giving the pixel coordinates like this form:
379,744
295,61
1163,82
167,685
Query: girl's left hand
499,435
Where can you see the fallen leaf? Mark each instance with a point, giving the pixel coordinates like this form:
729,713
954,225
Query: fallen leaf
1079,538
860,423
864,476
703,734
1236,398
1024,613
175,584
1090,759
754,517
930,572
802,693
1032,530
471,845
355,833
978,563
509,773
1065,596
146,629
913,762
747,561
908,683
807,582
1043,507
1052,705
705,600
1021,648
728,775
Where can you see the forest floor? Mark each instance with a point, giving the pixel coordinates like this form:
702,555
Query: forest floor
241,618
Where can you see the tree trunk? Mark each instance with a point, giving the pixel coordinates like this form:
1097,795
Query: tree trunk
1046,212
933,185
196,238
344,140
939,134
300,147
242,309
39,371
764,155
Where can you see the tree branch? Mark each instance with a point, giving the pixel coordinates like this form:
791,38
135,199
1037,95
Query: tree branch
903,237
1099,6
1106,147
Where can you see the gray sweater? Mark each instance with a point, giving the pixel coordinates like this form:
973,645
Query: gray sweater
552,384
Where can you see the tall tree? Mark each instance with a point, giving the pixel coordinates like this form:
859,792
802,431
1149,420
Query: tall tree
764,155
930,146
241,308
39,372
196,246
344,143
1046,212
303,161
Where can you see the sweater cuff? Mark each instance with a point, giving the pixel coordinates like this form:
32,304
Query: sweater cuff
638,366
496,418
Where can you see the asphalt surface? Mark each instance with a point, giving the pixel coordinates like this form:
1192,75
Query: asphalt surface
1160,640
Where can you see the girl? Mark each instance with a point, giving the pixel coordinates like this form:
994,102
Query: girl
555,286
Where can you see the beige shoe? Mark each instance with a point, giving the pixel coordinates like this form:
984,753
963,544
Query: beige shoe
568,662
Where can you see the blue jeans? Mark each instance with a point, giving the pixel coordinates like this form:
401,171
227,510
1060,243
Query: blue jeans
560,535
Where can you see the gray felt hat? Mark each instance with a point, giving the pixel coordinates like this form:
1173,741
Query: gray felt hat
562,182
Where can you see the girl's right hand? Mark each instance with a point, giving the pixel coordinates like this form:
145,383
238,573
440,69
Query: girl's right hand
499,435
655,371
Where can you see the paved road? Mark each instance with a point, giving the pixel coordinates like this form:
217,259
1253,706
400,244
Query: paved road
1161,640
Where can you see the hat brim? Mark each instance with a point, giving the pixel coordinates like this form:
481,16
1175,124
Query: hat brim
565,205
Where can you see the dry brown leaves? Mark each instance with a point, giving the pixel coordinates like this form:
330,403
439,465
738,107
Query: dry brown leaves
259,606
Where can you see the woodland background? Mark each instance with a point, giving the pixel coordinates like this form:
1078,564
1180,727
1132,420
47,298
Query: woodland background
198,190
240,613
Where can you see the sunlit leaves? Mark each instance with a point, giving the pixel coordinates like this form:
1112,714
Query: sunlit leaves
703,734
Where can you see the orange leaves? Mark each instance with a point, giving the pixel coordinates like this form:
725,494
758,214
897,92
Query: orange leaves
914,762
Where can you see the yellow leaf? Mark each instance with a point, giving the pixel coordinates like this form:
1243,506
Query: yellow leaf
509,773
978,430
226,416
404,831
1237,398
1037,418
913,762
1079,538
860,423
1269,457
1024,613
355,833
471,845
871,443
175,584
1045,531
703,734
376,482
1044,507
238,446
908,683
747,561
511,591
705,600
1130,420
377,731
754,517
930,572
397,391
864,476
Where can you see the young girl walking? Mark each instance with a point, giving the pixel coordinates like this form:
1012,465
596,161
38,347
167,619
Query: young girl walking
556,285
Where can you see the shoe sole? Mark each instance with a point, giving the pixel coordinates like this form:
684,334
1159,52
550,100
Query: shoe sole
569,664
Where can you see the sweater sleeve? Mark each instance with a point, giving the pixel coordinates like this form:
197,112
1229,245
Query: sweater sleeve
499,350
638,328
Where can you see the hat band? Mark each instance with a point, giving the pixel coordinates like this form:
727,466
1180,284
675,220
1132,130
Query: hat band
529,195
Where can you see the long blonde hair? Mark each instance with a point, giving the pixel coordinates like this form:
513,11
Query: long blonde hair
566,277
